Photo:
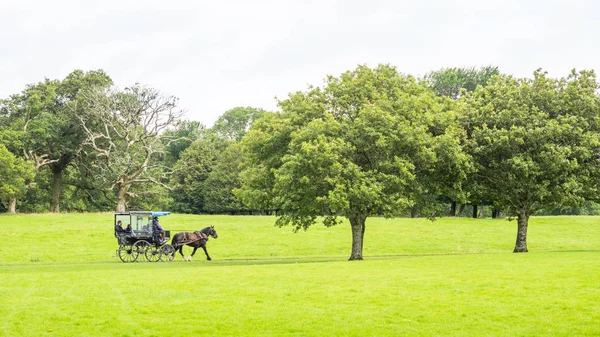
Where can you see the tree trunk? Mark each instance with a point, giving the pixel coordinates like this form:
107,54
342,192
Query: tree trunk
453,209
414,212
12,206
56,189
495,213
523,221
357,222
122,198
460,210
474,211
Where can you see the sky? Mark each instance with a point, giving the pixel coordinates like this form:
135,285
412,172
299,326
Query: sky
217,55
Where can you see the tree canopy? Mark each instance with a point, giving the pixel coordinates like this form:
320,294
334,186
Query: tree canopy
372,141
535,142
43,123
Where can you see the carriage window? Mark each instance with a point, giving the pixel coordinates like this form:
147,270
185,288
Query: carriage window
124,219
139,222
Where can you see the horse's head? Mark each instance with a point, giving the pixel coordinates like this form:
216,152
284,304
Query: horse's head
210,231
213,232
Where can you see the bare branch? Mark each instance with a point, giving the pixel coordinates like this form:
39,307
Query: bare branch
39,161
126,129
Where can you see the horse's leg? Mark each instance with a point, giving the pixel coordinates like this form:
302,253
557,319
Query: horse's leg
180,249
194,251
206,252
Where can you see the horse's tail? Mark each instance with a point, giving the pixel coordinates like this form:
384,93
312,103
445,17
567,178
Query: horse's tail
176,241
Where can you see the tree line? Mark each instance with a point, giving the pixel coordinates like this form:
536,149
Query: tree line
370,142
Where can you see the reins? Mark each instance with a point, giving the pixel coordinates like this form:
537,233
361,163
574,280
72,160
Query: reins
201,236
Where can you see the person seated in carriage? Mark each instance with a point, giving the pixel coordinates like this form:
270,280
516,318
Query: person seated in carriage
129,230
119,228
157,229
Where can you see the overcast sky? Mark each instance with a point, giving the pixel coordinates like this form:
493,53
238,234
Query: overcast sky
216,55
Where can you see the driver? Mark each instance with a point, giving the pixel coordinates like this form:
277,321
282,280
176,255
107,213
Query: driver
156,228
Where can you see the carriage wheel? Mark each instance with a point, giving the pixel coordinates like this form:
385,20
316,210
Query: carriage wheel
126,254
139,248
167,253
153,254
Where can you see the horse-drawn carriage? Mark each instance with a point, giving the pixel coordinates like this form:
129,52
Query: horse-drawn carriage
141,237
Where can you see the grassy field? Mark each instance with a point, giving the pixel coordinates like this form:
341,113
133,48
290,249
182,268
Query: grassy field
451,277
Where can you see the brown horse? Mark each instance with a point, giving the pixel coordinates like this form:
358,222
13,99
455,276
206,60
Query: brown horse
196,239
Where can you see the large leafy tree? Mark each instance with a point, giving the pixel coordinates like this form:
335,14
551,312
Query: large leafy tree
44,126
371,141
15,174
125,133
535,142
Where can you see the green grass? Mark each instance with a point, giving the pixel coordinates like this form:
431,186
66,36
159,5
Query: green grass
451,277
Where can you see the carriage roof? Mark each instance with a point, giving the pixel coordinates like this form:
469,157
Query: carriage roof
128,217
146,213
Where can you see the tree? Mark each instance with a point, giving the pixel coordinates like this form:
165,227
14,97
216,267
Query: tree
534,142
43,120
371,142
125,133
234,123
190,173
223,179
15,174
70,93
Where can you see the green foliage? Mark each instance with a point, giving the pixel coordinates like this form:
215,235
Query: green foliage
234,123
450,82
149,197
179,138
588,208
192,171
371,142
15,174
41,123
222,180
45,114
28,118
533,141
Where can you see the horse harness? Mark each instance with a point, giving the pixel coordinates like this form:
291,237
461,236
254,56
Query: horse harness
187,238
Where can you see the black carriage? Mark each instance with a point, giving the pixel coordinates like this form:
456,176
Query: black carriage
138,240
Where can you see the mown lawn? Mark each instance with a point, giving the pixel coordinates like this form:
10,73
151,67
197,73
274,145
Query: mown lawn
451,277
